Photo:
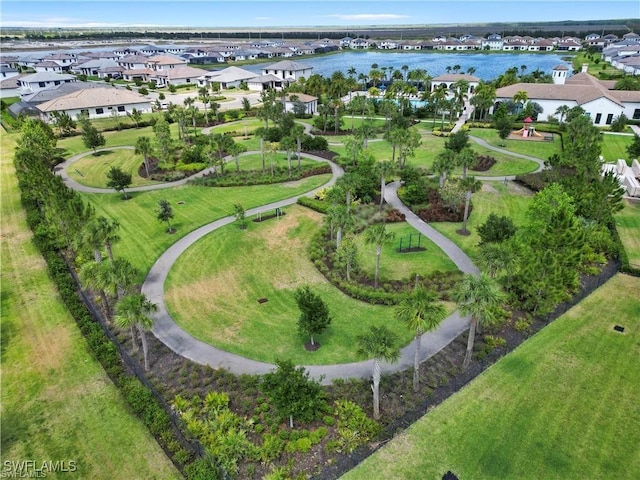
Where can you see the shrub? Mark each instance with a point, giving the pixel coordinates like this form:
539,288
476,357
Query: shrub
522,325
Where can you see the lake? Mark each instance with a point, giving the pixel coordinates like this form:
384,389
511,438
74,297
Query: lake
488,66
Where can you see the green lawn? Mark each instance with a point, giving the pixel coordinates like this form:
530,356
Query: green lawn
92,170
240,127
510,201
537,149
253,161
397,266
628,225
213,290
143,237
564,405
431,145
57,402
615,147
73,145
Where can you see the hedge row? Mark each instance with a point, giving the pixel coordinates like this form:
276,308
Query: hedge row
140,398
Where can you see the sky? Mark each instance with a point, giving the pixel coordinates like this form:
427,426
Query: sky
303,13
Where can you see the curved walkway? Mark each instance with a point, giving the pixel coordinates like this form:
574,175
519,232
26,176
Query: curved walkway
484,144
167,331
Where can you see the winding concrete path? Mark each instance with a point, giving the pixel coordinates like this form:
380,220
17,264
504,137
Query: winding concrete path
167,331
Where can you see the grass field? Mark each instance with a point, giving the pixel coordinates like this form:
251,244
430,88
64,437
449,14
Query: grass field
92,170
213,292
397,266
615,147
144,237
57,402
496,198
564,405
537,149
73,145
431,146
628,226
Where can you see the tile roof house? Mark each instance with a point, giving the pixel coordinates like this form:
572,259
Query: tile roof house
96,102
43,80
164,62
178,75
228,77
288,70
309,102
599,100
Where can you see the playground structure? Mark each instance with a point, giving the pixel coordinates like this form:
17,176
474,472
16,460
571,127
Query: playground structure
528,130
411,244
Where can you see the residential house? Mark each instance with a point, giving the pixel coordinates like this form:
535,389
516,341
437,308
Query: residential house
48,66
291,100
230,77
180,75
7,72
96,102
98,67
448,80
265,82
288,70
42,81
164,62
492,42
360,44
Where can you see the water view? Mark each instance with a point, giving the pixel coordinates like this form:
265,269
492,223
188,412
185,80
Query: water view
487,66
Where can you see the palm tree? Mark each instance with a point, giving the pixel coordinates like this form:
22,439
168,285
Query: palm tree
443,164
466,159
236,149
144,148
203,94
477,296
562,110
521,98
421,312
134,311
439,96
123,277
97,276
377,235
384,169
379,343
405,70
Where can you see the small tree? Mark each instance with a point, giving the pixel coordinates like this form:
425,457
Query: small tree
293,393
119,180
380,344
144,148
347,255
165,213
239,213
504,126
314,313
496,229
91,137
136,116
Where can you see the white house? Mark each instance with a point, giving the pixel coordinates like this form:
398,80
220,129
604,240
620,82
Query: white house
292,99
48,66
180,75
265,82
596,97
164,62
43,80
96,102
227,78
448,80
8,72
288,70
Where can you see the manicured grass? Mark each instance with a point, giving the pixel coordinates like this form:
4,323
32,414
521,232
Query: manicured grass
397,266
542,150
92,170
253,161
628,225
615,147
57,402
144,238
431,145
248,125
509,201
564,405
213,289
73,145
